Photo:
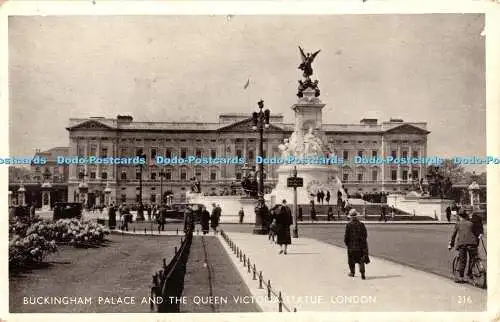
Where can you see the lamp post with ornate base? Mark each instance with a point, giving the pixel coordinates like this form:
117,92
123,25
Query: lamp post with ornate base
140,210
261,121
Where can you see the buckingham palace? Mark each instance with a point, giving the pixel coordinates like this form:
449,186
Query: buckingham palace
231,136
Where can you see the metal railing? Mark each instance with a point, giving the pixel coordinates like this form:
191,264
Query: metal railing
256,276
168,283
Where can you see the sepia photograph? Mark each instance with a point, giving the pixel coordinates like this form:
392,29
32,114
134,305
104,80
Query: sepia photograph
247,163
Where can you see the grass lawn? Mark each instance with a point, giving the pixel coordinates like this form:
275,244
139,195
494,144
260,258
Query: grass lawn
123,268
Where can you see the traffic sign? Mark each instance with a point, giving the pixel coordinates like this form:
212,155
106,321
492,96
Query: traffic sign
294,182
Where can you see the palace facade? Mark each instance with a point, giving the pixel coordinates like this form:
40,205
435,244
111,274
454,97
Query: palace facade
231,136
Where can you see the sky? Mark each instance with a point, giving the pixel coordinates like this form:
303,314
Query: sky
421,68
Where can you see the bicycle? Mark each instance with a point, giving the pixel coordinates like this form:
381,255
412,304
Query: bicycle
478,269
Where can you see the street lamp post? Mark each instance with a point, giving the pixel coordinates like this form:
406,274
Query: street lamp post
83,188
162,175
140,211
261,121
295,206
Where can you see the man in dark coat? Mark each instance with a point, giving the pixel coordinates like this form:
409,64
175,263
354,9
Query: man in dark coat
112,216
355,239
188,220
328,197
215,218
205,220
283,222
465,242
448,214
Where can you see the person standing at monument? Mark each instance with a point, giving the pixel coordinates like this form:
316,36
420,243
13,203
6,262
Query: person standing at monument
241,214
313,211
355,238
283,222
328,197
112,216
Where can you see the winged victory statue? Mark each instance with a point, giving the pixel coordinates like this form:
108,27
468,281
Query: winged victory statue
307,60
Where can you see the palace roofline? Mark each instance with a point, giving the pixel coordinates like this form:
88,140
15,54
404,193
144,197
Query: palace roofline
126,123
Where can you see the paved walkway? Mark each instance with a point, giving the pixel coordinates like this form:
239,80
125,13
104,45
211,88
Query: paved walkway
313,277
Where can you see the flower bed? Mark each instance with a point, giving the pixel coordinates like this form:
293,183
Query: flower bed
32,239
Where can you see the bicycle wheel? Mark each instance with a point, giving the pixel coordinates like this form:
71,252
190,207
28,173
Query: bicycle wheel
479,274
454,267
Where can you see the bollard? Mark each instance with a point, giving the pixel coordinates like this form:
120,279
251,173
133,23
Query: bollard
269,289
244,260
177,231
260,280
295,309
249,267
134,229
164,264
280,303
145,231
254,273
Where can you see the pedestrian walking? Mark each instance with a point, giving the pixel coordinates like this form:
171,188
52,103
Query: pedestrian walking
448,213
283,222
241,214
355,239
215,218
161,219
205,220
188,220
328,197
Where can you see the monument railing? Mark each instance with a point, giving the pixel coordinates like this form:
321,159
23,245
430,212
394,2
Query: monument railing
168,283
257,275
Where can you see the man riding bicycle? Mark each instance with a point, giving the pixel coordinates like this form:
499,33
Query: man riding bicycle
465,238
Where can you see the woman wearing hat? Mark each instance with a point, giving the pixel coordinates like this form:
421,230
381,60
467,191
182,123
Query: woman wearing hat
355,239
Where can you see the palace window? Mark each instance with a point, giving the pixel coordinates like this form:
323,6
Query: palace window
93,149
104,175
124,198
123,175
251,155
360,177
168,175
394,153
197,174
394,175
153,153
80,151
92,175
360,153
374,175
414,174
374,153
213,175
346,155
153,176
198,153
183,174
138,175
415,153
183,153
124,151
213,153
345,177
104,152
168,153
404,154
238,175
404,174
238,153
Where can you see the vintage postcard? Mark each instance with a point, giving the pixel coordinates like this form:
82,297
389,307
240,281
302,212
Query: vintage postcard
312,162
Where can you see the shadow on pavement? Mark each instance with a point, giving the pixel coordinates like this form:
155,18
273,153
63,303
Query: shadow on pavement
381,277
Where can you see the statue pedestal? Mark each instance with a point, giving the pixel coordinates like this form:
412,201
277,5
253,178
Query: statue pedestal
316,178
